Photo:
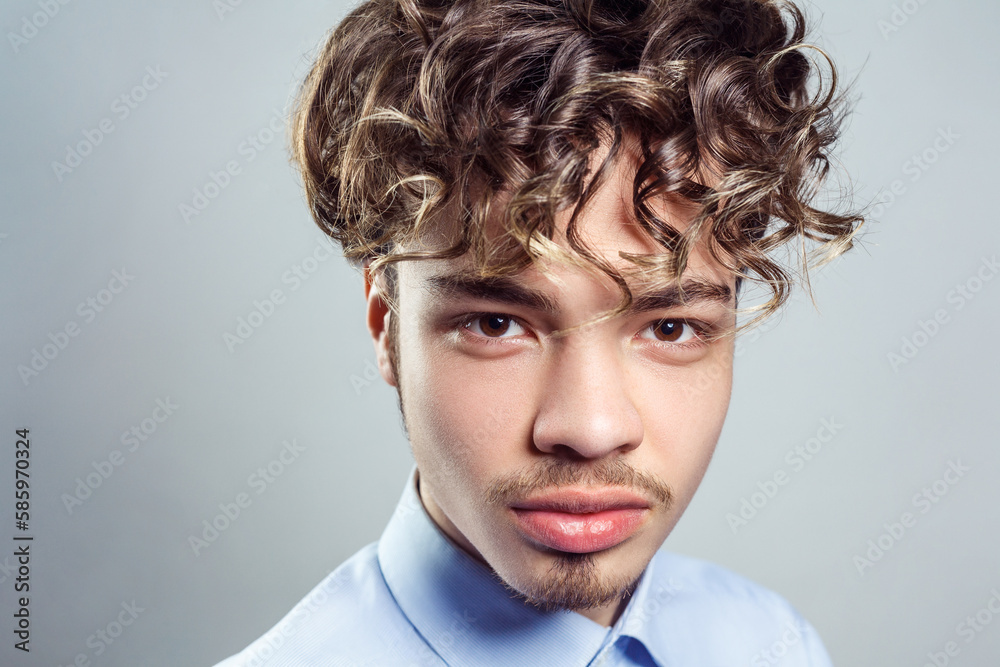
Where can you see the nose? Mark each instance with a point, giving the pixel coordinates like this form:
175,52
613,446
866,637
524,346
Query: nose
586,410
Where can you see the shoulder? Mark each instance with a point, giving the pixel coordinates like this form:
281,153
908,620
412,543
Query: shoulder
711,605
349,618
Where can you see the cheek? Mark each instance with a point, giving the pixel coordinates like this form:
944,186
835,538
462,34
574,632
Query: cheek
683,415
465,418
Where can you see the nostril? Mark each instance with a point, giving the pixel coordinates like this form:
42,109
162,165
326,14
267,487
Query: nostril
567,452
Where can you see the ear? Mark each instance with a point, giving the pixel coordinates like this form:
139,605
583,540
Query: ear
377,314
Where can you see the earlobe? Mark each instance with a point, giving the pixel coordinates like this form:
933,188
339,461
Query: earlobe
377,318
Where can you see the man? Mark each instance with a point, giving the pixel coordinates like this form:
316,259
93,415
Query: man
556,204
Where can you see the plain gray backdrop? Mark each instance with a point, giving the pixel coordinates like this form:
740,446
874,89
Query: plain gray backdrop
901,354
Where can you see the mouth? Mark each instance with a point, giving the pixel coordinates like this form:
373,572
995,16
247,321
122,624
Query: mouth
578,521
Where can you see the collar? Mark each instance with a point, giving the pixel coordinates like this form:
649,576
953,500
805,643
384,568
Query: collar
651,615
462,610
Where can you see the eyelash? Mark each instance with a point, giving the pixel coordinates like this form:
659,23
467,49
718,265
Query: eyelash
701,330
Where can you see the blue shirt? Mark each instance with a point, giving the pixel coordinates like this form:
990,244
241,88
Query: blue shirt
415,599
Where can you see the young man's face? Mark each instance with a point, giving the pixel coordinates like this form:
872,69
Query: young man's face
562,462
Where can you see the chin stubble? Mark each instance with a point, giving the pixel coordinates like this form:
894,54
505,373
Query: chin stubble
573,582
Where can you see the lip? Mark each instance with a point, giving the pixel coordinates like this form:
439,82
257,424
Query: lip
577,521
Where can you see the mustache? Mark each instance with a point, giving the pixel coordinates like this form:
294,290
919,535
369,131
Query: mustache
555,473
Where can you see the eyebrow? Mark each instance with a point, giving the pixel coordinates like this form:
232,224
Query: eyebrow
691,290
503,289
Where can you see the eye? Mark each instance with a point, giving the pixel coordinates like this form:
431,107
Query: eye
493,325
672,331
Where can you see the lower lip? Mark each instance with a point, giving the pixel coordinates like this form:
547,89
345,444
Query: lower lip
580,533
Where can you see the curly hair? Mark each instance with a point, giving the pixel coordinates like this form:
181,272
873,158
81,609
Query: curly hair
418,111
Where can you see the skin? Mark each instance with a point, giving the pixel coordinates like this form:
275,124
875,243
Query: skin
498,409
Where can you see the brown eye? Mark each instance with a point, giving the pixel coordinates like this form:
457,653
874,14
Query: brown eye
493,325
672,331
669,331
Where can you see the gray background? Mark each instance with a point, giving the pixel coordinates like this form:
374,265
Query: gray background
302,373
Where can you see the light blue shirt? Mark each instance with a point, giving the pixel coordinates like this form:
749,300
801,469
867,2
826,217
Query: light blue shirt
414,599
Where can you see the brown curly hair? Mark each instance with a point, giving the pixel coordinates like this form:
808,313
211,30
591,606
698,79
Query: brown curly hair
418,111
